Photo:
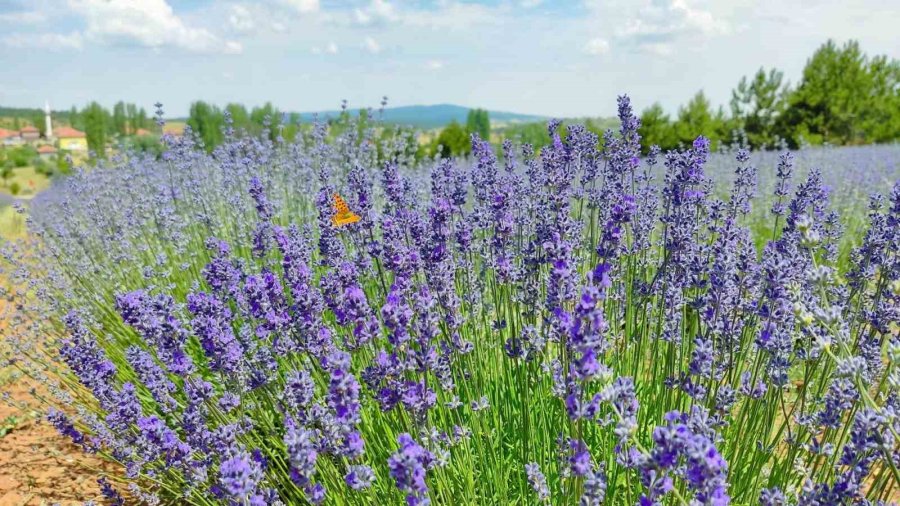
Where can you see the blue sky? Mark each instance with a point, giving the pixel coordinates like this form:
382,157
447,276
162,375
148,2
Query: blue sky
555,58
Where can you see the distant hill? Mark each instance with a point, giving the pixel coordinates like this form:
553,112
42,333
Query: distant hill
431,116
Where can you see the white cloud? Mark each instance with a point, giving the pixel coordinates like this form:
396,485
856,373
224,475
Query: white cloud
371,45
456,15
51,41
596,46
302,6
23,17
377,12
434,65
529,4
240,20
656,27
278,26
330,48
149,23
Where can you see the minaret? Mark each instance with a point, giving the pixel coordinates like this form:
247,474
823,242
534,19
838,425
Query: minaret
48,129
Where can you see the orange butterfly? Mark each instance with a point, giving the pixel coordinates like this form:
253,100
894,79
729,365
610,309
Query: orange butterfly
342,214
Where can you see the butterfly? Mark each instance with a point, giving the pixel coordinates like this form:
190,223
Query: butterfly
342,214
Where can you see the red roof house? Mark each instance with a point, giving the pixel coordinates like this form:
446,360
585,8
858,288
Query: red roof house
30,133
66,132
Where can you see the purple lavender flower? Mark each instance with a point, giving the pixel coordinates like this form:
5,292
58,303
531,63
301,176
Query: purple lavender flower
212,324
65,427
112,496
538,481
153,377
408,467
239,477
359,477
152,317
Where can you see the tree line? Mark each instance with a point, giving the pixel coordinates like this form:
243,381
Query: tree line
844,97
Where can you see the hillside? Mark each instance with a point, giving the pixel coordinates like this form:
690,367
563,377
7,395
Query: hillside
432,116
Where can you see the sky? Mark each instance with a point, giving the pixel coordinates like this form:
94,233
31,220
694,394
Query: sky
546,57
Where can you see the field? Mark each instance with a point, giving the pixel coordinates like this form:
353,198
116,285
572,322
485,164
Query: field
327,321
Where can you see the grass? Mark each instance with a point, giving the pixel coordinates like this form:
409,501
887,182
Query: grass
29,180
12,224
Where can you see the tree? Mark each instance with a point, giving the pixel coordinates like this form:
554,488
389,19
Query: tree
131,114
453,141
881,122
75,119
119,119
479,122
695,119
37,119
206,121
142,121
16,123
756,105
95,128
657,129
240,118
266,116
838,99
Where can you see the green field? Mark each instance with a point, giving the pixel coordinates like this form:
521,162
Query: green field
29,181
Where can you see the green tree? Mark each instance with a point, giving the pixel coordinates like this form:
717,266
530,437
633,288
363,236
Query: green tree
95,128
16,123
206,121
75,120
695,119
478,121
131,114
240,118
142,121
881,122
453,141
756,105
844,98
119,119
268,112
37,119
657,129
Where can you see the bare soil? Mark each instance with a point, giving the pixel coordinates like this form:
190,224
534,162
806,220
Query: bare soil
38,466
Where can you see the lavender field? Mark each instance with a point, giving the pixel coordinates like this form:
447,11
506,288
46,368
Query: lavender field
331,321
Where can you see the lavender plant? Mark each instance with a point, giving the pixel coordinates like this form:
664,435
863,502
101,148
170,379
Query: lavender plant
575,326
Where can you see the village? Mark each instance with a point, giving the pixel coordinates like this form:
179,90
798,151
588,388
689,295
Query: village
64,138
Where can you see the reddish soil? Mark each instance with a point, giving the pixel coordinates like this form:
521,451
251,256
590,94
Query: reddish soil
38,466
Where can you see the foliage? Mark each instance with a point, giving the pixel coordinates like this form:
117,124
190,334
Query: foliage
843,98
453,141
207,122
757,104
575,326
18,156
656,129
96,121
478,122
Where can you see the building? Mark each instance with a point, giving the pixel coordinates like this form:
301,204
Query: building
9,137
70,139
29,134
46,151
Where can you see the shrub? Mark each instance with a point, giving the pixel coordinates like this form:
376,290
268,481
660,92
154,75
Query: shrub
15,188
574,325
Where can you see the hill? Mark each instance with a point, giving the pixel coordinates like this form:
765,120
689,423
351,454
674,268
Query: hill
431,116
